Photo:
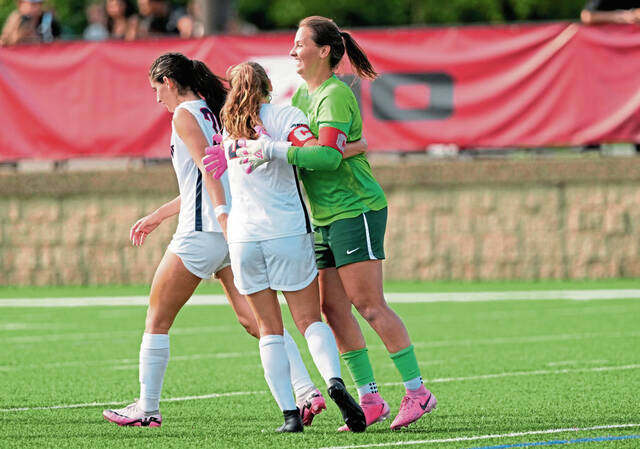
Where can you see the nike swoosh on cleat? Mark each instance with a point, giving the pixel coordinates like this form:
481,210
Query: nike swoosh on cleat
351,251
426,403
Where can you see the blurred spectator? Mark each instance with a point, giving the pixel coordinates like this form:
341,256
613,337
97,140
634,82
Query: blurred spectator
30,23
611,11
239,26
236,25
97,19
158,18
191,24
122,19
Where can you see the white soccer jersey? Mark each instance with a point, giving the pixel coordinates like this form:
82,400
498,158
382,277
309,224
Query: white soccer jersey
268,203
196,208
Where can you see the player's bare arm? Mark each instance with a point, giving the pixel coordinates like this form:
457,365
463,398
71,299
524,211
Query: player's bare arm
146,225
189,131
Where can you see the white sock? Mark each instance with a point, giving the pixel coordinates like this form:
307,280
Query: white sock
323,349
154,357
371,387
302,383
276,370
413,384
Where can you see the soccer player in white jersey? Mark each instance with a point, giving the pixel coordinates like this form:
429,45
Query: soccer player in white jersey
198,249
271,243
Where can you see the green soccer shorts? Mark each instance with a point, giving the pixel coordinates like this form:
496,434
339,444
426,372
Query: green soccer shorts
351,240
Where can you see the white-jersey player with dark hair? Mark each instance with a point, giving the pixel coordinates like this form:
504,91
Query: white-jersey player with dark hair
196,208
198,249
271,242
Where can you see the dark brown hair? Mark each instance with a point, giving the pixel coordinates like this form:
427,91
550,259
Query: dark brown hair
326,32
193,75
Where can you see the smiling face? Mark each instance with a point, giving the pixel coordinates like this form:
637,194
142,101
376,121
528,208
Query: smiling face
310,58
166,93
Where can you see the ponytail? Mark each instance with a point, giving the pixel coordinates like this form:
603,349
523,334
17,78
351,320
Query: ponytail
358,58
208,86
241,111
326,32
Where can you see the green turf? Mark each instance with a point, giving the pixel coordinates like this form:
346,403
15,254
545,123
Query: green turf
213,287
548,360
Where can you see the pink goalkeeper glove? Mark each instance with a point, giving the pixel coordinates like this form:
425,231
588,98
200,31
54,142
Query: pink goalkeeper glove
254,153
215,162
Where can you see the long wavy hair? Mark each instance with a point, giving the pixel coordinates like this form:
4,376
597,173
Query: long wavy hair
326,32
193,75
249,86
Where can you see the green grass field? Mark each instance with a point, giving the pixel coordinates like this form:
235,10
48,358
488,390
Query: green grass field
498,368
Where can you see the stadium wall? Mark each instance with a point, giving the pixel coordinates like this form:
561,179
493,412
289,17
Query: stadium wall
456,220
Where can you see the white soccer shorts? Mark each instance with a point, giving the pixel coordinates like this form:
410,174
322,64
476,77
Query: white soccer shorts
202,253
287,264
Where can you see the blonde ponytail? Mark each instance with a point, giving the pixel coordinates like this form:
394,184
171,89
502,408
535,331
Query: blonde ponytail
241,111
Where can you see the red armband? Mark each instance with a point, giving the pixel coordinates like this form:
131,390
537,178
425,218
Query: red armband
332,137
299,135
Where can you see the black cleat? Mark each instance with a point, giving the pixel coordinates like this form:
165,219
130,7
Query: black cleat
351,412
292,422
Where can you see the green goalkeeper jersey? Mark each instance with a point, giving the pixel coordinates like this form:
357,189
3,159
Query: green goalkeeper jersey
351,189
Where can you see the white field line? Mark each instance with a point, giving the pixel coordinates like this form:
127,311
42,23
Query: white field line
438,318
103,404
522,373
488,437
576,295
29,326
574,362
512,340
126,362
427,381
431,344
257,365
111,335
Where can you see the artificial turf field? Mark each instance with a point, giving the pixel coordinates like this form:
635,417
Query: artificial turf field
508,373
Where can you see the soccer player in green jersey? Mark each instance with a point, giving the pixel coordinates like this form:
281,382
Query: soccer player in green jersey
349,212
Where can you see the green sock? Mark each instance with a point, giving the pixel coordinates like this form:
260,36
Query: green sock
359,365
405,361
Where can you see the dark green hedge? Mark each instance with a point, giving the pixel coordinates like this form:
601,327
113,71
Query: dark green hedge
269,14
274,14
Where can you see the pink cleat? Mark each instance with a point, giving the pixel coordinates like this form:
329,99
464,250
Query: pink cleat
131,415
374,407
414,404
311,406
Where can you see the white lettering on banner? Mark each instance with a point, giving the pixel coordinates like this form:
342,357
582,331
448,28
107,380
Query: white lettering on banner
282,73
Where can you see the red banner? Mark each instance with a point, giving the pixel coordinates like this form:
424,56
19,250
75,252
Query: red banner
505,86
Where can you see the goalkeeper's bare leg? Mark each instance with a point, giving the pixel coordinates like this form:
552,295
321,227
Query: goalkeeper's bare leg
336,308
362,282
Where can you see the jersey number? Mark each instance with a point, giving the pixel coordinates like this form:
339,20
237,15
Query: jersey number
208,115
